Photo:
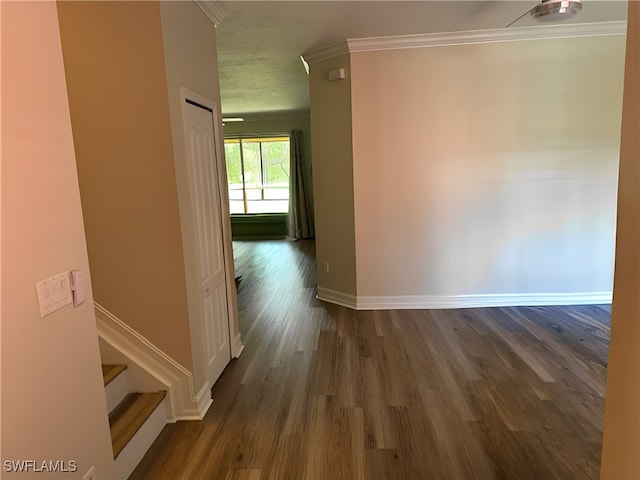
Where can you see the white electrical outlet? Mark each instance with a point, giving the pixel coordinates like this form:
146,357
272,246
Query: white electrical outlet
91,474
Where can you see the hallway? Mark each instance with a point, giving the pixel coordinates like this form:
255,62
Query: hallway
324,392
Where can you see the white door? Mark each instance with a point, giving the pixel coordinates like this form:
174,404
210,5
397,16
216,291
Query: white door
206,206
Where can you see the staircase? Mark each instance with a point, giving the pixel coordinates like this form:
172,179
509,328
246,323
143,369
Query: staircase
136,419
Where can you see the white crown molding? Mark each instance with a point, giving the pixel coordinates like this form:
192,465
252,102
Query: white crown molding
488,36
212,10
328,51
354,45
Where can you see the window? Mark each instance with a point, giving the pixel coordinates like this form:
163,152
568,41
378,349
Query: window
258,173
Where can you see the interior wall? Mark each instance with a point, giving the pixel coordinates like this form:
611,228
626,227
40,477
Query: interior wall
333,180
487,169
190,54
621,440
53,403
115,69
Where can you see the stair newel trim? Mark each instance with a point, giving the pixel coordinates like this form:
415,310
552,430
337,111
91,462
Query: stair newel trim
183,402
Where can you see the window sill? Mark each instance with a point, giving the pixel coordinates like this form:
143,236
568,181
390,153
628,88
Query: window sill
258,226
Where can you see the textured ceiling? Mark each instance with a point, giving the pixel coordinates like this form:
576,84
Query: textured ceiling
259,43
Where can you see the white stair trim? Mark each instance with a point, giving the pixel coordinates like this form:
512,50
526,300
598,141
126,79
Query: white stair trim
140,443
116,390
182,401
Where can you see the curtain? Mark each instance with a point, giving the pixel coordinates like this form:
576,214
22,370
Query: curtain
300,219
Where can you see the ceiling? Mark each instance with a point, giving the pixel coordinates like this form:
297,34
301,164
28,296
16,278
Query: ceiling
260,42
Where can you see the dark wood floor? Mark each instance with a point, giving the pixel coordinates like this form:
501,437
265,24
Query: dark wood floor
324,392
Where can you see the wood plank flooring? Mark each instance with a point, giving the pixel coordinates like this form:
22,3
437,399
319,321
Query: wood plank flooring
324,392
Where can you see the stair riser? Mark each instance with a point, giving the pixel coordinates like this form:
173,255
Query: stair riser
133,452
116,390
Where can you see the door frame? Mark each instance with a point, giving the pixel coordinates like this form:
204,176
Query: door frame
235,341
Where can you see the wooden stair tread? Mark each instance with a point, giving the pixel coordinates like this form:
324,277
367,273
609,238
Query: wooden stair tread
110,372
127,418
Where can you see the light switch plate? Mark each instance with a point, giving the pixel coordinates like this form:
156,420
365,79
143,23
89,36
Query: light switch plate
53,293
79,287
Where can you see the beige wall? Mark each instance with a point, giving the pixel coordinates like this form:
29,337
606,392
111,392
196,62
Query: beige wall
621,442
281,122
53,403
191,62
486,169
330,105
115,67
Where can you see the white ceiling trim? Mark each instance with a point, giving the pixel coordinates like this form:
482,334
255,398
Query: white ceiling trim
212,10
330,51
354,45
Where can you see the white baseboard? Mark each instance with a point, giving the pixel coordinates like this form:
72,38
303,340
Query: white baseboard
237,347
181,400
426,302
204,402
339,298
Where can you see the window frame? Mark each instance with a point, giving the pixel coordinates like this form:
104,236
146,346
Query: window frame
260,139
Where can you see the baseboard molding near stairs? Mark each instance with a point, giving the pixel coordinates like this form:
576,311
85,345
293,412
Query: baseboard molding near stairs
183,403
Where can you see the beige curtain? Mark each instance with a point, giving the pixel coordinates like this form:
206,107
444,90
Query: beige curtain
300,220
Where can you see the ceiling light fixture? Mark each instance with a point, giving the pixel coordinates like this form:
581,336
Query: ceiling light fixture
549,11
231,120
